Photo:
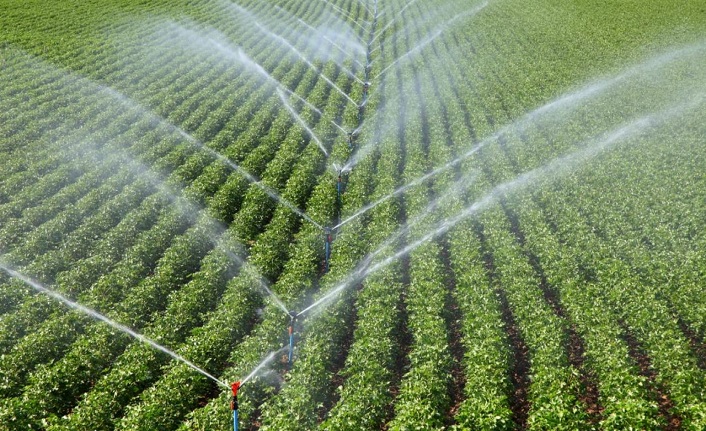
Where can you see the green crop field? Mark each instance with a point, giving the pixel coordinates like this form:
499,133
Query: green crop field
374,214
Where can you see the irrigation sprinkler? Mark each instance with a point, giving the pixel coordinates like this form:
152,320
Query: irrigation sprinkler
235,386
292,319
351,139
339,186
328,239
366,88
341,172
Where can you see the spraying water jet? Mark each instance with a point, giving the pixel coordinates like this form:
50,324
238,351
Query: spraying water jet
302,123
235,386
292,320
96,315
304,59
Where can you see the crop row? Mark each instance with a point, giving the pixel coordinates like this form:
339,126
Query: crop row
286,214
424,396
364,397
296,280
640,304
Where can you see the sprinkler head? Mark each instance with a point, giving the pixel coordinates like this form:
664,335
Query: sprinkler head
293,314
235,386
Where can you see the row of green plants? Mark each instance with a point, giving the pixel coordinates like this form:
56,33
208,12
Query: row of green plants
309,397
486,361
622,391
298,278
295,185
268,253
85,273
639,302
370,370
424,397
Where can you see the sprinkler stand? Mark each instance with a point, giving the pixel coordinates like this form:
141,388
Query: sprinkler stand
328,239
292,319
339,186
235,386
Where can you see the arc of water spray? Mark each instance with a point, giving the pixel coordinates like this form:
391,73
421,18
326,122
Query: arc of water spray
249,177
305,60
302,123
262,364
595,88
327,39
385,198
556,167
268,190
344,13
271,34
239,55
361,268
397,15
192,208
434,14
365,6
308,104
59,297
433,36
335,45
458,186
564,103
417,48
158,182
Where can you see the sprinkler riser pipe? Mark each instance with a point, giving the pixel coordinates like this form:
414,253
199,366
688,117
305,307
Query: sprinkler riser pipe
328,239
235,386
291,346
327,252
